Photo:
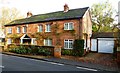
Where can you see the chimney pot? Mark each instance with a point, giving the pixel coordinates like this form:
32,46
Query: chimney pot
66,8
29,14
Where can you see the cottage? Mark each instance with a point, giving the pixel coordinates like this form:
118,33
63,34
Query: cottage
51,29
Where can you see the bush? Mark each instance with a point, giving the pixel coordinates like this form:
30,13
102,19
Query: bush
66,52
78,52
44,51
31,50
78,44
78,47
19,50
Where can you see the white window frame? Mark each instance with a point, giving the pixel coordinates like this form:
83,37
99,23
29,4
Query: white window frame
68,26
10,30
47,28
47,42
68,41
24,29
40,28
18,29
9,41
33,41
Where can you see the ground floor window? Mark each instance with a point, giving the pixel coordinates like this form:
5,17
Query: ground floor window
9,41
34,42
68,44
47,42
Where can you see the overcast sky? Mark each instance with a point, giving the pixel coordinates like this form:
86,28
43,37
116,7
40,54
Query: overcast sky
46,6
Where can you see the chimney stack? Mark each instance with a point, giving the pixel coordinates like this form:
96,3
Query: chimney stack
66,8
29,14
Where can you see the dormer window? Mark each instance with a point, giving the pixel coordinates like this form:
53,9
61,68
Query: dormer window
68,26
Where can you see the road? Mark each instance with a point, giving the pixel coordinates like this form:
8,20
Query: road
14,63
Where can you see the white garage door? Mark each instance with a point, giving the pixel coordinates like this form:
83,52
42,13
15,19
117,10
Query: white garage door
93,44
105,45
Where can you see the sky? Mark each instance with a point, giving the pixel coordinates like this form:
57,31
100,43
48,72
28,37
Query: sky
46,6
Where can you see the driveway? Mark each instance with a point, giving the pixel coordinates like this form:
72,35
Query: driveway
96,58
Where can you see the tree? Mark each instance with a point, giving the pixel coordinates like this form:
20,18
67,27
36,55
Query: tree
102,16
8,15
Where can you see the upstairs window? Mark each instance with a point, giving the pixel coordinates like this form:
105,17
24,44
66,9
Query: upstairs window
48,28
40,28
18,29
24,29
47,42
9,30
68,26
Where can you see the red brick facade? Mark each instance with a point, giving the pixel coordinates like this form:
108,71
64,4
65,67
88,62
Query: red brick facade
82,30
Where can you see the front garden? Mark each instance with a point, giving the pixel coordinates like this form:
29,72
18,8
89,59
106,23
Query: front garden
78,50
32,50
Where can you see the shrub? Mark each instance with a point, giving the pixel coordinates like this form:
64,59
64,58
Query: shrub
78,44
78,47
66,52
19,50
44,51
36,50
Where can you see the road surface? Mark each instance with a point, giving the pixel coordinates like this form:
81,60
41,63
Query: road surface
14,63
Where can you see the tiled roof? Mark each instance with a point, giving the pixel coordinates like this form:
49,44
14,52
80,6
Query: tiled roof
103,35
71,14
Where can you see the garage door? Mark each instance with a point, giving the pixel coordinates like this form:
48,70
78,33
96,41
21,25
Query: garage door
93,44
105,45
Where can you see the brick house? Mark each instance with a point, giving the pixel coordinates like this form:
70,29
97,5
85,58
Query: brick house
51,29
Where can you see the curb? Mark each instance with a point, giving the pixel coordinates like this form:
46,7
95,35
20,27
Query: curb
51,61
24,56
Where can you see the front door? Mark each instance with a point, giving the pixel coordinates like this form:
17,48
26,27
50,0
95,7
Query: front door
26,41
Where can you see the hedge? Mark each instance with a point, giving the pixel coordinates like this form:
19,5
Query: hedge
78,47
31,49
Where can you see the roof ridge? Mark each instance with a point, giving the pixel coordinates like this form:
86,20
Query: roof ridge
58,15
59,11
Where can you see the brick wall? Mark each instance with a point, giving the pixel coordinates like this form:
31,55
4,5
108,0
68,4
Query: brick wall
79,26
32,28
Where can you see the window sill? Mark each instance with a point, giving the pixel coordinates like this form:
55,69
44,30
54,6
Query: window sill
47,31
40,31
69,29
24,32
68,48
9,33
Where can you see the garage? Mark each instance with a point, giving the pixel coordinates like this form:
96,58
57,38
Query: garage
102,42
105,45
